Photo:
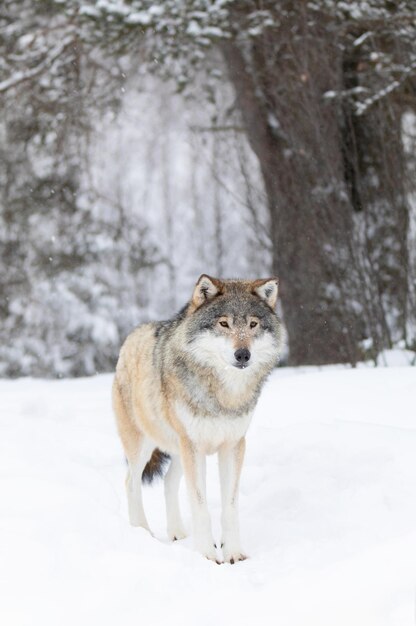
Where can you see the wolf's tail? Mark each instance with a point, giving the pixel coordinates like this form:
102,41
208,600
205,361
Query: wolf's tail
156,467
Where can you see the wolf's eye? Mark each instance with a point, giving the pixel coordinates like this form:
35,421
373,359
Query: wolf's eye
224,324
253,324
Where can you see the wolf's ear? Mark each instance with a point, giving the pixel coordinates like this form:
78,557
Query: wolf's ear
205,289
267,290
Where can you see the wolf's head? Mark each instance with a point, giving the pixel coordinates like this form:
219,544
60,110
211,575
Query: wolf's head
232,324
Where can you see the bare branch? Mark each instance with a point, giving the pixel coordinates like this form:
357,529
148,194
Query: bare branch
362,107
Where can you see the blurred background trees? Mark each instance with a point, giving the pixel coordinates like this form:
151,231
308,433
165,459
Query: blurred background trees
147,142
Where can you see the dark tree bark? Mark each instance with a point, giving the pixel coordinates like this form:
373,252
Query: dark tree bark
297,142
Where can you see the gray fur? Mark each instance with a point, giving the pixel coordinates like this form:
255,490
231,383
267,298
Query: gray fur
200,381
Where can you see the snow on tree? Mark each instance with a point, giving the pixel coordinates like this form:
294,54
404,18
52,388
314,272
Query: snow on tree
61,276
321,87
105,195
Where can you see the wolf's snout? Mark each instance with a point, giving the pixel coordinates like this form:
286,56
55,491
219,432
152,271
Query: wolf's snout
242,356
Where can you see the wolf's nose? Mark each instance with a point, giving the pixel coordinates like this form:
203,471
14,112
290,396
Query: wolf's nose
242,355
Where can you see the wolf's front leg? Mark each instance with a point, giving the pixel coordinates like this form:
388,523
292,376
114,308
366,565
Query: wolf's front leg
230,459
194,467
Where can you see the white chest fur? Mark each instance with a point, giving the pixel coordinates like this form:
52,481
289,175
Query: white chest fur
210,433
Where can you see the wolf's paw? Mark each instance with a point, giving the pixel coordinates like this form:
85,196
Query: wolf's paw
176,533
233,556
211,555
208,551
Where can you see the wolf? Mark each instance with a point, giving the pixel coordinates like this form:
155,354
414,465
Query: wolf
186,388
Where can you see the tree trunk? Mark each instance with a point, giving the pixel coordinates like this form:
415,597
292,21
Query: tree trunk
297,141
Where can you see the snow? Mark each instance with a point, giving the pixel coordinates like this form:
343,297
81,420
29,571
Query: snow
140,17
328,510
193,28
397,358
357,42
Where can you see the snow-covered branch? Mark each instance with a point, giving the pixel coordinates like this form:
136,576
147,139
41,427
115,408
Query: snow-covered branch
45,65
362,107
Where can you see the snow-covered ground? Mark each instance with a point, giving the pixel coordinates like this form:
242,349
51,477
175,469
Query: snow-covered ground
328,510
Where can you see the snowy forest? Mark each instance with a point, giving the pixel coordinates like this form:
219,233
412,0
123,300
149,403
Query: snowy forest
144,143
